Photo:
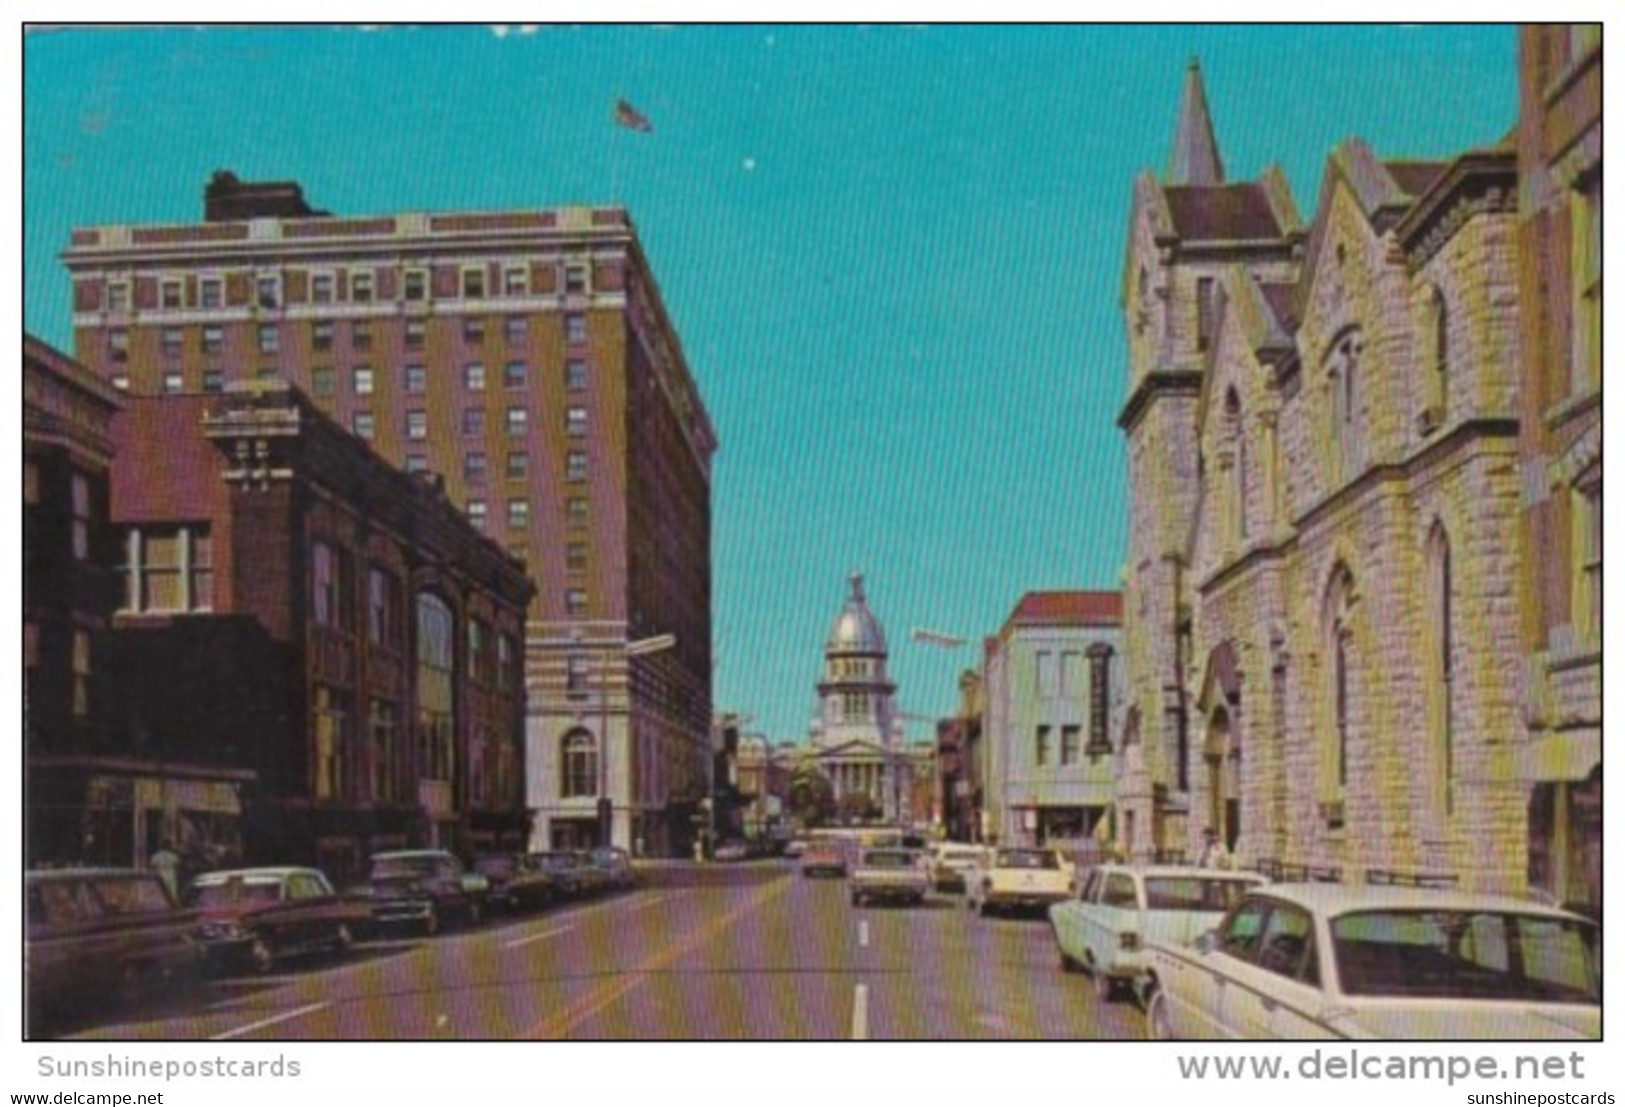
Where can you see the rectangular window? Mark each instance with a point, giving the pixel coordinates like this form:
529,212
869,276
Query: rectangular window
476,514
1588,549
1585,219
321,335
575,602
1045,673
575,421
361,423
174,382
361,335
575,557
474,466
575,509
575,465
173,340
518,514
330,586
513,375
473,329
1041,750
212,292
330,735
321,382
474,377
213,380
414,380
383,607
214,340
415,285
575,328
473,420
321,288
1070,737
575,373
577,674
268,291
385,752
473,282
81,674
416,463
514,328
575,277
118,345
518,465
415,332
270,338
361,380
170,295
417,425
80,495
267,374
514,280
118,296
1206,311
516,422
121,381
361,286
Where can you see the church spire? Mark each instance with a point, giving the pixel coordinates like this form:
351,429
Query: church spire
1195,156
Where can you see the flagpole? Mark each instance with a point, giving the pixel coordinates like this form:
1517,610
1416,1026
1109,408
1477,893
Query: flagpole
615,153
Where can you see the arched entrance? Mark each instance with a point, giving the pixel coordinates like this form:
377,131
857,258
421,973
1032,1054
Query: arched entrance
1220,704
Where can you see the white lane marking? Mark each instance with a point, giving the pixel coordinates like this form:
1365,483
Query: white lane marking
517,942
863,933
860,1013
272,1021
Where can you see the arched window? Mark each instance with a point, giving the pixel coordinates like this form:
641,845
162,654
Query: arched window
578,765
1339,652
1343,386
1439,387
436,640
1440,671
1236,429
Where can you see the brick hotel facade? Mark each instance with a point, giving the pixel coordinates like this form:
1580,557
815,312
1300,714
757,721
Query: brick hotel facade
526,358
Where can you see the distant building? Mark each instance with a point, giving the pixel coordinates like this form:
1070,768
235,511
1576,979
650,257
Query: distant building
856,740
1323,424
1053,694
1559,242
69,594
527,358
329,635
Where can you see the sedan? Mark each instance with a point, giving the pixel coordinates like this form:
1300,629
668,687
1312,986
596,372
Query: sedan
425,888
256,917
1121,908
823,860
1301,961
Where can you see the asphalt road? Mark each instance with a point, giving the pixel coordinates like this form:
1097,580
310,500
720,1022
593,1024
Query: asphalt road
746,951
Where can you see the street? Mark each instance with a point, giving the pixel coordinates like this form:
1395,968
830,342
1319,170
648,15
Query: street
747,951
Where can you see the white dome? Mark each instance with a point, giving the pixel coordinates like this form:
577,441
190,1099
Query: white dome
856,630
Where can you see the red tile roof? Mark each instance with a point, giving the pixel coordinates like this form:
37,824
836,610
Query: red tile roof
1226,213
1086,609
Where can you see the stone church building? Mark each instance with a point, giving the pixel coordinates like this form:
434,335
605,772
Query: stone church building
1322,586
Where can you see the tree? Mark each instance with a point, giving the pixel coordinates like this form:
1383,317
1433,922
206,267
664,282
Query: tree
812,797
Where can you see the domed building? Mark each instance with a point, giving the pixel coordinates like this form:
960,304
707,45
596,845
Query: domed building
857,737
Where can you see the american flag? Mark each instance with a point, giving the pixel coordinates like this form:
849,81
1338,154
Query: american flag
628,116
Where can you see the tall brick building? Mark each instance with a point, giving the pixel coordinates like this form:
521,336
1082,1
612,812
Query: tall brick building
1559,238
526,358
1324,655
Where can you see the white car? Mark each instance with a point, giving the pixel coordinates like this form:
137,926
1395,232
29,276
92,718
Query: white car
1121,908
1307,961
951,862
1019,878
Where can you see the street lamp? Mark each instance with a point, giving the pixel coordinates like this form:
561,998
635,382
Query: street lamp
945,642
639,648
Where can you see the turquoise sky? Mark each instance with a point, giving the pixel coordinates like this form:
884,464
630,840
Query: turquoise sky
892,254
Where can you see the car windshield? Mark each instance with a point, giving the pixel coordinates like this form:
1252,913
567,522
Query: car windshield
1192,893
1027,859
1467,955
404,866
234,892
888,859
132,896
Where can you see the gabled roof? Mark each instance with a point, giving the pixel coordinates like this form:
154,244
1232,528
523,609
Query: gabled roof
1067,609
1224,213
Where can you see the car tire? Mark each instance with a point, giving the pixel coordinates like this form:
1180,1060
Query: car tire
1157,1026
1105,986
1069,964
343,940
261,955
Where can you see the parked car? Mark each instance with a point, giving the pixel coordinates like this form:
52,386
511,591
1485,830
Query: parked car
102,934
514,884
614,866
950,862
427,888
794,848
1304,961
730,851
255,917
1103,932
1019,879
822,859
895,875
567,869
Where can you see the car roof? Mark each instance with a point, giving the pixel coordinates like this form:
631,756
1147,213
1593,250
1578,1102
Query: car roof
1339,899
1164,871
101,873
221,876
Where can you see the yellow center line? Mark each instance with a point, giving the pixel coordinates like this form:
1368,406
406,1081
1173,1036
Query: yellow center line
561,1023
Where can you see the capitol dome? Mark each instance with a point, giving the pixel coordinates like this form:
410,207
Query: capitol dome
856,630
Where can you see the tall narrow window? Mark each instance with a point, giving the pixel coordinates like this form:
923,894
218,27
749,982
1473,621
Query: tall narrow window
1441,672
385,730
80,491
1587,606
1041,749
1342,378
1100,674
578,768
81,674
330,723
435,717
1439,396
1585,220
1207,303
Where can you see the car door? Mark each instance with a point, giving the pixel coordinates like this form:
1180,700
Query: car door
1072,918
1117,911
1275,992
1215,961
